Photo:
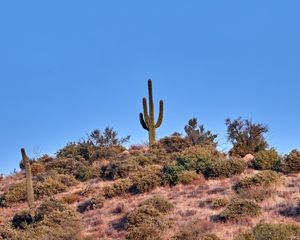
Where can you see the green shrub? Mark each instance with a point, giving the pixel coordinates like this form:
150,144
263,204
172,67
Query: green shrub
144,160
144,232
43,185
153,157
64,165
67,180
171,174
84,173
118,168
199,165
52,220
266,231
200,152
266,159
145,215
276,232
146,179
291,162
239,208
118,188
80,169
147,221
259,186
174,143
217,168
16,192
52,184
158,202
219,203
108,152
98,145
48,187
187,177
37,168
224,168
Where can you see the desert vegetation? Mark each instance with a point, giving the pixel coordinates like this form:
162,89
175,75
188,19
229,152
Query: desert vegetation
178,187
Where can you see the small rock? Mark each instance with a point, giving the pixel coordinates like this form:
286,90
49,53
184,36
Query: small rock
248,158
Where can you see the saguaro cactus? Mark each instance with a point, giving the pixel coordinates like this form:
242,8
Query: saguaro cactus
147,120
29,187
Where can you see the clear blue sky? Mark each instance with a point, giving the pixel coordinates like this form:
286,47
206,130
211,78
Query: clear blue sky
67,67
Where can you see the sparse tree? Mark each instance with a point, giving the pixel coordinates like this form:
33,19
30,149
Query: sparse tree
196,134
246,137
107,138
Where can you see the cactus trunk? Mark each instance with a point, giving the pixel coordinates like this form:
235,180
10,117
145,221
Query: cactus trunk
147,119
29,187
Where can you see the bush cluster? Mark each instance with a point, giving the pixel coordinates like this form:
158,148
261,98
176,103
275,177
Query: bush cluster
187,177
291,162
52,183
266,231
120,167
200,152
52,220
159,202
259,186
118,188
98,145
80,169
219,203
146,179
205,162
16,193
147,221
174,143
46,184
238,209
266,159
224,168
142,181
37,168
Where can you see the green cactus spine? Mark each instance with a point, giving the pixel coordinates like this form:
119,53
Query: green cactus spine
147,120
29,187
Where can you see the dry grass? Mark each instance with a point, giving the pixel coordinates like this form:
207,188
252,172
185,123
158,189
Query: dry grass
191,205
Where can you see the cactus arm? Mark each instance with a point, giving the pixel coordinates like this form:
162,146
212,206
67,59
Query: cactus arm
143,123
161,114
29,187
146,115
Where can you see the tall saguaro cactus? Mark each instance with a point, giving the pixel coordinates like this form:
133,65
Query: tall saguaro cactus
147,120
29,187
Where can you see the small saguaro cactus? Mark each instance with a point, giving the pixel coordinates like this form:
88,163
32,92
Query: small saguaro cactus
147,120
29,187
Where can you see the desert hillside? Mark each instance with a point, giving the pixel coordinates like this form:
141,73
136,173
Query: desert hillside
180,187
